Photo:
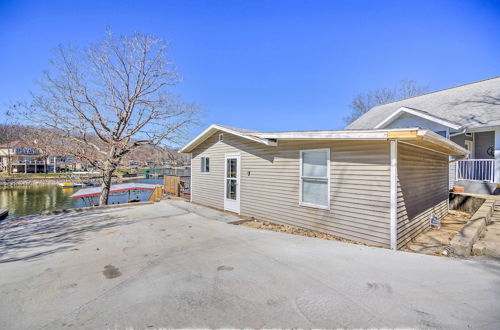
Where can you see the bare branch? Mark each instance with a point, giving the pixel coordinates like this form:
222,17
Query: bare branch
111,99
363,102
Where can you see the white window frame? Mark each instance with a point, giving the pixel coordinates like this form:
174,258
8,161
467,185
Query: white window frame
203,162
301,203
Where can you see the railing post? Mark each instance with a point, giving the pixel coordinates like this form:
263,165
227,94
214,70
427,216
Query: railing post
492,168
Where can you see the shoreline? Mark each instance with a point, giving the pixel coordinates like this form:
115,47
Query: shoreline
8,182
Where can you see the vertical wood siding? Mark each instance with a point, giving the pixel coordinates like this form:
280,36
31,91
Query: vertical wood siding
422,190
360,184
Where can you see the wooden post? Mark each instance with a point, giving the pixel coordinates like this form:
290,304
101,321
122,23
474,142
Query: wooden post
156,194
171,184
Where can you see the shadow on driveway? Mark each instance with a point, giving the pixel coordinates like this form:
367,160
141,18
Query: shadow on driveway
32,237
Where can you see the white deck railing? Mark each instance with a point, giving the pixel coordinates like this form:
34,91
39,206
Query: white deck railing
476,170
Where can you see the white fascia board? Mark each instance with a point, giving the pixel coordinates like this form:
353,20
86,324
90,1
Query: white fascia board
442,141
394,195
483,129
326,135
187,148
213,128
402,110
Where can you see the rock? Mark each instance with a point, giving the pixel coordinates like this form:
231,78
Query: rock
478,249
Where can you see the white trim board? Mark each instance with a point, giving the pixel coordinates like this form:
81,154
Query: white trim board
329,154
191,177
272,139
230,204
214,128
417,113
394,195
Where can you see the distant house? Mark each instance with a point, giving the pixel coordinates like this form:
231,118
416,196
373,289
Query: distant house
23,157
469,115
374,186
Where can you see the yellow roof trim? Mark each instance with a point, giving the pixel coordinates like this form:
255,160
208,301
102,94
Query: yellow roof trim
404,135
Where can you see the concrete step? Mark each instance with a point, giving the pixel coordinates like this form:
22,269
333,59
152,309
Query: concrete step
489,243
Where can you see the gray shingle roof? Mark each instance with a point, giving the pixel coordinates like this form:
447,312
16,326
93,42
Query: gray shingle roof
473,105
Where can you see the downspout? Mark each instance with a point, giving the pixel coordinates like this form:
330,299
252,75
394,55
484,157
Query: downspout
394,194
191,177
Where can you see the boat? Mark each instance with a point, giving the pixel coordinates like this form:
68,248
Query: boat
69,184
91,195
3,213
90,183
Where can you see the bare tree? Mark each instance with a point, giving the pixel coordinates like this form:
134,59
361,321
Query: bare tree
42,140
363,102
110,99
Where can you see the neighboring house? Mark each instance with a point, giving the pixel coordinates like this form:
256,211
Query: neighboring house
374,186
468,115
21,157
24,158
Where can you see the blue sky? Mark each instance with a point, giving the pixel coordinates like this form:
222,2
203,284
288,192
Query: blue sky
269,65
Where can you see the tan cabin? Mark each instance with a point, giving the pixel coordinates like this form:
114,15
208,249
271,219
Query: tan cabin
373,186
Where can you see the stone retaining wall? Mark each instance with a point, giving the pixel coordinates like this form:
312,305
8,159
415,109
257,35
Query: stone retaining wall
13,182
462,243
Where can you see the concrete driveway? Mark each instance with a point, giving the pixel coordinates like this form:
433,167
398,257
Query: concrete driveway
174,265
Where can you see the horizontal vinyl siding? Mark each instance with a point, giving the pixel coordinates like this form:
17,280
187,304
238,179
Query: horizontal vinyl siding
359,185
422,190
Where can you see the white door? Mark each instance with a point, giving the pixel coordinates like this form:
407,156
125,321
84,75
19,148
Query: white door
232,183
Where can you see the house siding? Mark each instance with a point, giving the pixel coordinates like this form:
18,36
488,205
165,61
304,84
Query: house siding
410,120
460,139
422,190
359,186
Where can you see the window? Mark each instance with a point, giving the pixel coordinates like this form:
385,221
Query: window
315,178
205,164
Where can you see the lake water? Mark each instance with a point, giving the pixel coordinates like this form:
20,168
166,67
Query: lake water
27,200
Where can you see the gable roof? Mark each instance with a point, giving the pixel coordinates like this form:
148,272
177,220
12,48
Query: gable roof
415,136
472,105
419,113
241,132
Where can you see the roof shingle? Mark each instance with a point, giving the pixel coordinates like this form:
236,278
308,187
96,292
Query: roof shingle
473,105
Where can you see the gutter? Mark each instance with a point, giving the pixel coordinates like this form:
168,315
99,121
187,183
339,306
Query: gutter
441,141
459,133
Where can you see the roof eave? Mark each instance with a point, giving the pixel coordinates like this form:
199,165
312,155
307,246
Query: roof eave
415,136
212,129
434,138
395,115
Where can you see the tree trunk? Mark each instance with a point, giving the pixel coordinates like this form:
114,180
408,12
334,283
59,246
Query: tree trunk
109,169
9,161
